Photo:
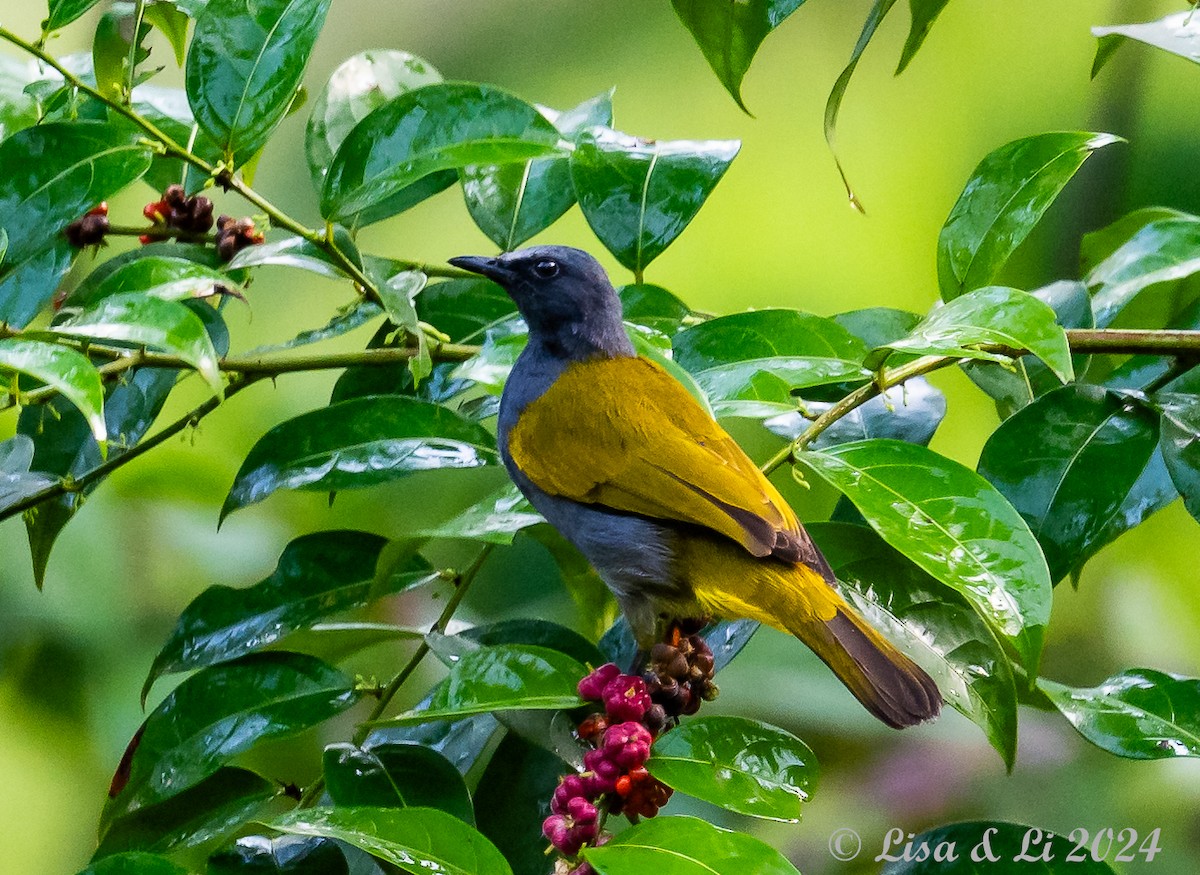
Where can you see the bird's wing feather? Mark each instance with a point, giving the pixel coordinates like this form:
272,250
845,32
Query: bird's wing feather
624,433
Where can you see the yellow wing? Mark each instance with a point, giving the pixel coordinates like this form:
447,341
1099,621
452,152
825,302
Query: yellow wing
625,434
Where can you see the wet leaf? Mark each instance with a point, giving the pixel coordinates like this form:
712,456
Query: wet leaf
953,524
653,306
1180,443
157,276
417,840
16,480
285,855
244,65
218,713
360,84
169,111
1140,713
686,846
134,863
398,775
512,202
1096,246
135,318
358,443
933,624
389,155
216,806
66,370
878,326
924,13
1164,250
464,308
502,677
172,22
300,253
729,34
1004,198
495,519
1178,34
512,800
345,319
744,765
994,314
910,412
639,195
1067,463
989,846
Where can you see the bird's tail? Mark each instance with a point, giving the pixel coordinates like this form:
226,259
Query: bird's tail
797,599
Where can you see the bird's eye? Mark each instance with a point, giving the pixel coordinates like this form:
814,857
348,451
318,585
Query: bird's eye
546,269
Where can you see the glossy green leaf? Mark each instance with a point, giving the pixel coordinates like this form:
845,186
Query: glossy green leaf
639,195
744,765
218,713
653,306
172,22
395,776
111,47
300,253
991,315
686,846
215,807
503,677
729,34
244,65
134,863
1004,198
536,633
63,12
135,318
953,524
16,480
345,319
417,840
878,326
397,292
282,855
464,308
18,110
513,799
933,624
494,519
512,202
911,412
68,371
318,575
358,443
1140,713
1177,34
1096,246
169,111
1180,442
983,847
924,14
1067,462
432,129
1165,250
53,173
158,276
359,85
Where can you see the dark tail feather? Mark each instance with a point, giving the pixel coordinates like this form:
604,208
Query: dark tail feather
889,684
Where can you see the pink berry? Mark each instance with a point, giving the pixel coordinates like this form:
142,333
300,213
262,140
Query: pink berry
592,686
625,698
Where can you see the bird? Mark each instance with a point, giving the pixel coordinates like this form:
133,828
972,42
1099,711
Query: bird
676,519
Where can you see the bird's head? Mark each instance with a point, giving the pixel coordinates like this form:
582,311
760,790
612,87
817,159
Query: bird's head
563,294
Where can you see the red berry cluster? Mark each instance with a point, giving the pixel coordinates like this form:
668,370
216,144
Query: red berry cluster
176,210
234,235
90,228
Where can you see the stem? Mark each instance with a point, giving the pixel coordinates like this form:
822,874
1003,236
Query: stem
158,232
139,13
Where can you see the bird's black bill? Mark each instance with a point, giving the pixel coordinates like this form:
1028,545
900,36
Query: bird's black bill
492,268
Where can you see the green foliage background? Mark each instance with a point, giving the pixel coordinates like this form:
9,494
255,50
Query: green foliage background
776,232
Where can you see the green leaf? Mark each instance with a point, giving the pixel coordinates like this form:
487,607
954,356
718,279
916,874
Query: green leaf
924,13
436,128
1091,447
994,314
512,800
135,318
1180,443
300,253
686,846
360,84
749,363
982,847
111,46
417,840
244,65
318,575
934,625
911,412
53,173
653,306
157,276
833,104
215,807
512,202
494,519
218,713
729,34
639,195
1176,34
346,318
169,111
499,678
84,293
1140,713
63,12
1096,246
285,855
134,863
1004,198
172,22
358,443
1165,250
953,524
396,775
68,371
16,480
536,633
464,308
744,765
397,294
18,110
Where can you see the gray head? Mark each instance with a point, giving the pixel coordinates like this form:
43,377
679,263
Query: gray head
563,294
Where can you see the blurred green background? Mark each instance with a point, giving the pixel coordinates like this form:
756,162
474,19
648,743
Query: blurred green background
777,232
